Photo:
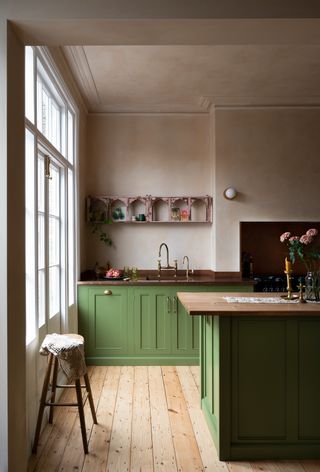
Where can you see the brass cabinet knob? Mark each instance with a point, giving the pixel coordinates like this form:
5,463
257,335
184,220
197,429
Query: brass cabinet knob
107,292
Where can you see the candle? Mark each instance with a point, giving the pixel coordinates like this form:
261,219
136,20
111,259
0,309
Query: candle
288,265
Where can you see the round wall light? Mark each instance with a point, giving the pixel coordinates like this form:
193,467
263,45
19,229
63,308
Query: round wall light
230,193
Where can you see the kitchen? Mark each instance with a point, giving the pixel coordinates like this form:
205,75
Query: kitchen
269,143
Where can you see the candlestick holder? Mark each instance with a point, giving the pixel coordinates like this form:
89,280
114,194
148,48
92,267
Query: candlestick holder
301,287
289,295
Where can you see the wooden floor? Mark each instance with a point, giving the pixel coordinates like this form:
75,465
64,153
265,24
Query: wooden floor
149,420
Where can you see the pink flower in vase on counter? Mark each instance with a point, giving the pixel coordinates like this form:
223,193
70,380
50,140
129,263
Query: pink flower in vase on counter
285,236
312,232
307,249
305,239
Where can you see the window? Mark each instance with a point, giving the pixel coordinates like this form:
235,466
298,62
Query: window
50,197
30,238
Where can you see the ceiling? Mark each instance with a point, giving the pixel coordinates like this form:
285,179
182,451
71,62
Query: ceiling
192,78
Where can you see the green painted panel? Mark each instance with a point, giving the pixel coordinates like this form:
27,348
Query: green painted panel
216,368
107,325
147,324
309,379
195,336
185,328
162,323
209,362
260,386
152,321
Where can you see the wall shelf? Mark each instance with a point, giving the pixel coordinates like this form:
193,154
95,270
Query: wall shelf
173,210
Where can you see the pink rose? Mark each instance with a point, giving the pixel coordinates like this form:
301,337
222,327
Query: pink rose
294,238
305,239
285,236
312,232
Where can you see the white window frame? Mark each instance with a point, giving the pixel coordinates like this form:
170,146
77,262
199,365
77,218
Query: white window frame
44,146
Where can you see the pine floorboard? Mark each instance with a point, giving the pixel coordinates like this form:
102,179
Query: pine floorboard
149,420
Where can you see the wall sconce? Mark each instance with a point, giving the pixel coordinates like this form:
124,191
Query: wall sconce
230,193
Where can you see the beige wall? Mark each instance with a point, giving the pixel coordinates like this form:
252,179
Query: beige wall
271,156
149,154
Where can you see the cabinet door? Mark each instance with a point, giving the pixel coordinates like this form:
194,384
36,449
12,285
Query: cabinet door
108,330
152,320
185,328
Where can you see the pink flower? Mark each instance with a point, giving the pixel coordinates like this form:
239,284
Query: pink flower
294,238
312,232
285,236
305,239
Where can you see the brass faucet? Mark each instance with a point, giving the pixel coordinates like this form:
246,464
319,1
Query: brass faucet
187,269
167,266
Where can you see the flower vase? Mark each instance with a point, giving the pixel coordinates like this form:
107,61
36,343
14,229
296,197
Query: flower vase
312,286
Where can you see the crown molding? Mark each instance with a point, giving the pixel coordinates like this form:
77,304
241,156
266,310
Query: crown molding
78,62
219,101
64,72
205,103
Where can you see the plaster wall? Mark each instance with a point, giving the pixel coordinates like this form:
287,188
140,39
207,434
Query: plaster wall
271,156
138,154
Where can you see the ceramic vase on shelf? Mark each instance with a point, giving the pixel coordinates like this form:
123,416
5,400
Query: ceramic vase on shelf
312,286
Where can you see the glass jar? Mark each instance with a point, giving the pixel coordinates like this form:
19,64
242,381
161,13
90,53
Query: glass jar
312,282
175,214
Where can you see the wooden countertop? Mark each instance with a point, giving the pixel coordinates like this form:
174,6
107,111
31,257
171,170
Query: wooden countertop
214,304
198,278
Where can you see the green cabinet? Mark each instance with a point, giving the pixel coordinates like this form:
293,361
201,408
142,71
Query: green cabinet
139,325
152,321
261,386
163,330
104,322
185,328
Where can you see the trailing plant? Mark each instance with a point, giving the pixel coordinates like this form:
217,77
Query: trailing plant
98,227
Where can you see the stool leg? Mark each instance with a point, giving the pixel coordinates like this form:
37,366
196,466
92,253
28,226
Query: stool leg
42,404
81,416
88,388
53,388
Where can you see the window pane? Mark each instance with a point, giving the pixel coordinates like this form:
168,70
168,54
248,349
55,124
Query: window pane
54,241
54,124
54,291
49,114
29,83
70,137
41,298
41,241
71,236
54,191
30,239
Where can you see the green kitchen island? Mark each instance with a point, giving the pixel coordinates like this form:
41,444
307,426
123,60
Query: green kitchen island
260,375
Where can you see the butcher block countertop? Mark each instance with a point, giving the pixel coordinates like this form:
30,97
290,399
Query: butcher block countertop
214,304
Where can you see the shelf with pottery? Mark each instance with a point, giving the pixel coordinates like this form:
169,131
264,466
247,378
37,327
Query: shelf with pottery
149,209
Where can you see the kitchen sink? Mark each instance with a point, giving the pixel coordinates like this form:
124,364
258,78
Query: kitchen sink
167,278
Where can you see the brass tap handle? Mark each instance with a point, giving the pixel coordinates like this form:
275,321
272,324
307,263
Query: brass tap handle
159,268
175,267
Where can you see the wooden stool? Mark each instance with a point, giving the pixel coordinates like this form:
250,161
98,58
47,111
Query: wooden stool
53,362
